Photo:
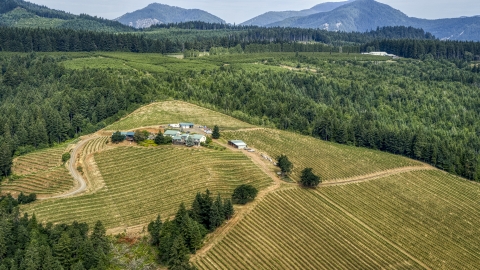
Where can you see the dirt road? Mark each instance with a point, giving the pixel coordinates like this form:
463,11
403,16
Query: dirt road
81,183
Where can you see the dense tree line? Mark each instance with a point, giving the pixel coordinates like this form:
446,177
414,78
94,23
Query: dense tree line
26,244
42,103
281,39
302,34
177,238
437,49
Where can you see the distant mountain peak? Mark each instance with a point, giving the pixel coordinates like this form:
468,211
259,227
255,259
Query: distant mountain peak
157,13
276,16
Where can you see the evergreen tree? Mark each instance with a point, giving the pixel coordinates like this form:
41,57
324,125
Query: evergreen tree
99,238
216,132
178,256
63,250
309,179
5,159
189,142
228,209
217,215
159,139
154,228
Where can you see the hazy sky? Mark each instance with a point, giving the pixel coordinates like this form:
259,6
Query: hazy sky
242,10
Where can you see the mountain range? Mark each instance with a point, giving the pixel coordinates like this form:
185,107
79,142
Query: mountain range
163,14
365,15
277,16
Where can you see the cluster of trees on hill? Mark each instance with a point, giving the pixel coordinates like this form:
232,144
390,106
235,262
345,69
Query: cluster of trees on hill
437,49
27,244
177,238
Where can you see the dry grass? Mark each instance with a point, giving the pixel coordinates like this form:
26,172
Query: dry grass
174,112
329,160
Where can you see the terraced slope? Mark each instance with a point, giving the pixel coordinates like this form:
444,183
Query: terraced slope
142,182
40,172
54,181
174,112
38,161
416,220
329,160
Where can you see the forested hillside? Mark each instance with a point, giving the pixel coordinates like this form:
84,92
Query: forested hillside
19,13
427,110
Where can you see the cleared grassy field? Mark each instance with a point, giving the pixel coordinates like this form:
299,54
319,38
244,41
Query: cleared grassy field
422,219
143,182
431,214
329,160
174,112
295,229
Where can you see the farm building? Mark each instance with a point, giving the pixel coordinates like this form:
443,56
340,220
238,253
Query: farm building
128,135
187,125
171,133
197,139
178,140
238,144
174,125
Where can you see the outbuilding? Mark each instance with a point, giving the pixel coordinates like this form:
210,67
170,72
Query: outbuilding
238,144
128,135
171,133
187,125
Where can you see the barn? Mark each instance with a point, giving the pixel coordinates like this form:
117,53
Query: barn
187,125
237,144
171,133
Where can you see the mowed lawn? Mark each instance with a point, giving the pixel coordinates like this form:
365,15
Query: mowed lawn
416,220
168,112
141,183
331,161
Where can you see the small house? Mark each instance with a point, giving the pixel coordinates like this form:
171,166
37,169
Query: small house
186,125
237,144
177,140
185,136
198,139
171,133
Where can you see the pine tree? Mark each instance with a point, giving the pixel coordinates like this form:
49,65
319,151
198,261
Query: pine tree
159,139
216,132
63,250
178,256
5,159
228,209
99,238
154,228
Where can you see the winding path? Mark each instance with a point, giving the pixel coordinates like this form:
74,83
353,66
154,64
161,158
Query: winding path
82,184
